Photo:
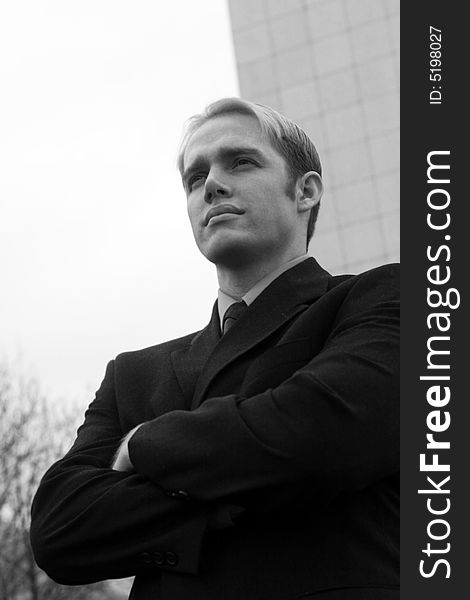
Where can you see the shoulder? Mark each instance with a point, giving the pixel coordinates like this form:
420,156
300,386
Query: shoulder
383,281
373,292
149,354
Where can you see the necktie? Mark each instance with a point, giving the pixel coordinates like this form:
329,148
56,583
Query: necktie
232,313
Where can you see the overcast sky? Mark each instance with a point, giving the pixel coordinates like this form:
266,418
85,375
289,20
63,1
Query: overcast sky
96,252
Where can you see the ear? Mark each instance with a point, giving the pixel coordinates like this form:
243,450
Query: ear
309,190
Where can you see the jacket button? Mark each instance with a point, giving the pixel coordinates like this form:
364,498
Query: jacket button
171,559
158,559
146,558
178,495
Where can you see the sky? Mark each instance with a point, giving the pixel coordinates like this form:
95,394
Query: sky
96,252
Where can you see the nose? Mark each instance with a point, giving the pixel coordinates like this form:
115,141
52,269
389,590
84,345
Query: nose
215,188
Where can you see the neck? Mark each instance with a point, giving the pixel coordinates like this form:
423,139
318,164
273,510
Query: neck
237,280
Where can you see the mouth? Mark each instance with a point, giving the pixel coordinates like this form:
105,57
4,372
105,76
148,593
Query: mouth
222,209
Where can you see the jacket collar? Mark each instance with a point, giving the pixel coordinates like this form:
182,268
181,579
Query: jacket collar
289,294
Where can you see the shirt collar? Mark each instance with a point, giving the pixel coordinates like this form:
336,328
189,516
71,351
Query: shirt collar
225,301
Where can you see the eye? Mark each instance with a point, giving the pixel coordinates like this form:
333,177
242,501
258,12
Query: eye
196,180
242,161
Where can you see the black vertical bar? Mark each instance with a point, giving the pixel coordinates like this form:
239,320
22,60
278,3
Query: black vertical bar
432,119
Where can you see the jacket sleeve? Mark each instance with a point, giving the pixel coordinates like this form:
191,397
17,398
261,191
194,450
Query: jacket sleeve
331,427
91,523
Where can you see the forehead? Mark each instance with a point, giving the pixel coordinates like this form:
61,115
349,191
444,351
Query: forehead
226,130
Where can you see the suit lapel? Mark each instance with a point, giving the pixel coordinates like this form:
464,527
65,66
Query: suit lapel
289,294
188,361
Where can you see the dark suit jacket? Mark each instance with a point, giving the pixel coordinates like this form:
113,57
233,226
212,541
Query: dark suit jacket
268,464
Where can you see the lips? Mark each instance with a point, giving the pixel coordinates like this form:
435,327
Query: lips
222,209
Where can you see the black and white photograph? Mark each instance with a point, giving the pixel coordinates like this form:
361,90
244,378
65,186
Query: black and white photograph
200,310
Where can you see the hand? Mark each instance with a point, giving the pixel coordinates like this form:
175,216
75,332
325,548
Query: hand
121,460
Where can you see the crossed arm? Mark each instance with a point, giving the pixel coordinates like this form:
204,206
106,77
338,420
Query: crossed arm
331,426
90,522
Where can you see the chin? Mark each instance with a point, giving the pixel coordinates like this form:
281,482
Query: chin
228,250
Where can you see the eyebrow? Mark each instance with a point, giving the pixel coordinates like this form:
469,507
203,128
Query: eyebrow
223,153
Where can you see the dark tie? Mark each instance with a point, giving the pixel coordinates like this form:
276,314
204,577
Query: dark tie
232,313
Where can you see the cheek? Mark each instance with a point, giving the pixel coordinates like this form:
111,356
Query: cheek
193,212
275,209
279,218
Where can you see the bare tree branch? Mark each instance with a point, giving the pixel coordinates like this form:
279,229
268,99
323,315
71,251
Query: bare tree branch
33,434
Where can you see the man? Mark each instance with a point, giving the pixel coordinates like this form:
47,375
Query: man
260,455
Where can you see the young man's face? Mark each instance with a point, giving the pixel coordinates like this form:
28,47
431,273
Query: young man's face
239,193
